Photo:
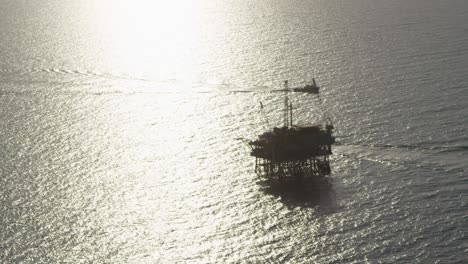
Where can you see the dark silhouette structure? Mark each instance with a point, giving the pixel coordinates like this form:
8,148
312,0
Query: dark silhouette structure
308,88
293,151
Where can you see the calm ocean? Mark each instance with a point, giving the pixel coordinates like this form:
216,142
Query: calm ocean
119,119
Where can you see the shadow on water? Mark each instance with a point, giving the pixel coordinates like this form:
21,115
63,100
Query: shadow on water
305,192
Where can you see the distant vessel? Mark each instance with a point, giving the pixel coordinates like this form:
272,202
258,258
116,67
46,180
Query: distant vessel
293,151
308,88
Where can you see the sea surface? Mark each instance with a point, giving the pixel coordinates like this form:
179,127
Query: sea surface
120,124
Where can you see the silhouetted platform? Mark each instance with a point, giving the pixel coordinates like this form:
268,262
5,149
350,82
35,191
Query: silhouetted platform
293,151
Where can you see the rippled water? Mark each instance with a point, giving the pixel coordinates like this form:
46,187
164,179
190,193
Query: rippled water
119,122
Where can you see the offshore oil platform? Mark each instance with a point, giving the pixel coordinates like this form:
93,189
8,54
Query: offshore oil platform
291,151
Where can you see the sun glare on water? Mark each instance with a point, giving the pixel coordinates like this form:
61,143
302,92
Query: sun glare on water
150,39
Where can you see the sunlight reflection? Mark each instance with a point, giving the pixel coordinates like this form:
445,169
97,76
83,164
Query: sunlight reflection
150,39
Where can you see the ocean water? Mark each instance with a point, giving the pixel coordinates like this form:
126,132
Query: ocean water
120,123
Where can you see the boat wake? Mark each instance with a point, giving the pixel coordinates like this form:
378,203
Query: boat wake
434,158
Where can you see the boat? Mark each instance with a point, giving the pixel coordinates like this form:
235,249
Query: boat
308,88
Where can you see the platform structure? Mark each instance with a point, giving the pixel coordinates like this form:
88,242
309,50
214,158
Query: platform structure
293,151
